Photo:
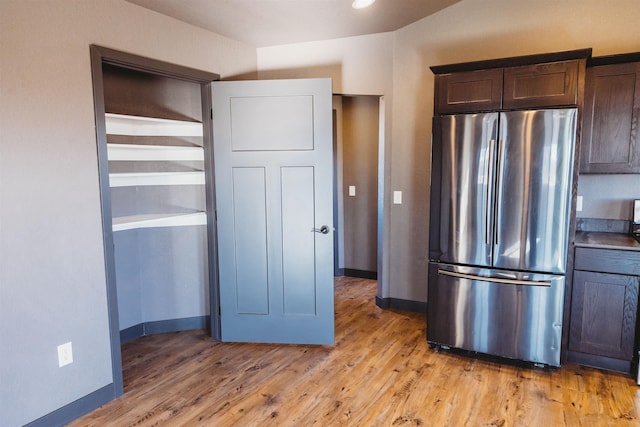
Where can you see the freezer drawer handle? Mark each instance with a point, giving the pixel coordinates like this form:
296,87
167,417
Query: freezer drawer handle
494,279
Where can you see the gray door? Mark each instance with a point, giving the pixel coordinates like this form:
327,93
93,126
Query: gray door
533,206
466,203
274,195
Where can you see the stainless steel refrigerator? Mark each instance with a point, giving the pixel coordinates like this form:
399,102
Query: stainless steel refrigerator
499,231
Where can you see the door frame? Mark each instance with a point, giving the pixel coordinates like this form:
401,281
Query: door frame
102,55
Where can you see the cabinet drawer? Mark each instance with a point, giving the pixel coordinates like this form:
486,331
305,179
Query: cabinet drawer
469,91
541,85
608,261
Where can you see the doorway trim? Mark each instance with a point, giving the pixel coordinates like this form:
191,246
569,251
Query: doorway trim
381,182
102,55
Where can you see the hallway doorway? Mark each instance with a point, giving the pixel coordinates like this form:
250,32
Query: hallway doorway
358,137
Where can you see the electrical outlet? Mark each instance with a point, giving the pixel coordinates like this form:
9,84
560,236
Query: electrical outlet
65,354
579,204
352,190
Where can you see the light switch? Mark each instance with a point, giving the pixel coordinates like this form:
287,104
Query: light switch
352,190
579,204
397,197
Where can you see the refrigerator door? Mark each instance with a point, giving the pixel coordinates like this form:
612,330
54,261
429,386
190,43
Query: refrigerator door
534,177
516,315
466,190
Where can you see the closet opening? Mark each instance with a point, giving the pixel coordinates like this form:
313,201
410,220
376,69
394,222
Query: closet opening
154,135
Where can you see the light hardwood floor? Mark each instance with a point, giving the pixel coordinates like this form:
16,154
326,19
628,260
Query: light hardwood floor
380,372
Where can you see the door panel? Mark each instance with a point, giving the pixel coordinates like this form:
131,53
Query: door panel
250,238
610,141
468,91
541,85
468,155
535,164
298,247
267,132
603,314
273,170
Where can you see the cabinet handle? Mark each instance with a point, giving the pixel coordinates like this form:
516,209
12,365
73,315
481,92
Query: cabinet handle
494,279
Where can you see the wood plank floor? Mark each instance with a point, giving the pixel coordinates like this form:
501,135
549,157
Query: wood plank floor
380,372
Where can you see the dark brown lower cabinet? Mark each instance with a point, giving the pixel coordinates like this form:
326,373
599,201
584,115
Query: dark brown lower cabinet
603,312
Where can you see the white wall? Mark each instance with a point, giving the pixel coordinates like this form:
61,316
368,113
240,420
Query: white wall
52,278
466,31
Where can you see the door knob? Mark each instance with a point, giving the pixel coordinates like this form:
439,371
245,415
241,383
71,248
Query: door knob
324,230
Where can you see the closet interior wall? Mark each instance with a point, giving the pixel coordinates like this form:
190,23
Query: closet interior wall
158,203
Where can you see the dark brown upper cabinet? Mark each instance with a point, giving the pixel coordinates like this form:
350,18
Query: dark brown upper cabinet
533,81
610,141
541,85
478,90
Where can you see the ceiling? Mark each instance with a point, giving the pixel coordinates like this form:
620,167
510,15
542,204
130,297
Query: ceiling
274,22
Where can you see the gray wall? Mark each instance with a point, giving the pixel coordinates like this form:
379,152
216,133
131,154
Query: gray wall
173,272
360,127
52,276
608,196
161,274
128,283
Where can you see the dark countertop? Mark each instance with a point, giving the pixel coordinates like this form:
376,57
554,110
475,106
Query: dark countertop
604,240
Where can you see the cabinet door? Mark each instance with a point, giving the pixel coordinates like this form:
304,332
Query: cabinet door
469,91
541,85
610,126
603,314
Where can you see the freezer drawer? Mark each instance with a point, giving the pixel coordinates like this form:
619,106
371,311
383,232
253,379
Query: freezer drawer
503,313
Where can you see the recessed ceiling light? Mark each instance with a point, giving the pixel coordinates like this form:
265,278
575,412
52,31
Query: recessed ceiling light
361,4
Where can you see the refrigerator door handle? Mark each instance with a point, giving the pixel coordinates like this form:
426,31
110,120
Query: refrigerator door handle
494,279
498,211
489,208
